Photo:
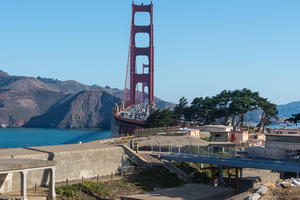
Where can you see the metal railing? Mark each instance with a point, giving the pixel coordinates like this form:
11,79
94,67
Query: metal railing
190,150
209,151
154,131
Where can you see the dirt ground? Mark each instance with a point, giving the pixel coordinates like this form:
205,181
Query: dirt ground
279,193
117,189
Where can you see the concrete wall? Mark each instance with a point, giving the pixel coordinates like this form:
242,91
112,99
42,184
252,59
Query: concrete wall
268,153
283,145
284,131
114,126
73,162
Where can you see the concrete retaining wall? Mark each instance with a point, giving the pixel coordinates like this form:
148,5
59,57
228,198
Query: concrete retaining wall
73,162
268,153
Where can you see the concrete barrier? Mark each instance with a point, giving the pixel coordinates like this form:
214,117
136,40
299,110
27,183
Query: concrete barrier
73,162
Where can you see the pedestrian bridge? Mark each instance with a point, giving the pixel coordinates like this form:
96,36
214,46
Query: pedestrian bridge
274,165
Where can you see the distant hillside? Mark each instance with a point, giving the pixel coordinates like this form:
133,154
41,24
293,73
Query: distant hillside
33,101
3,74
74,87
284,111
22,83
69,86
86,109
287,110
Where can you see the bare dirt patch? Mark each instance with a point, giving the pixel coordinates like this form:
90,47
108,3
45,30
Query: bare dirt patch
279,193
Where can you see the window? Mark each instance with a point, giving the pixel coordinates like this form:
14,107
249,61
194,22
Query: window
140,60
142,40
142,19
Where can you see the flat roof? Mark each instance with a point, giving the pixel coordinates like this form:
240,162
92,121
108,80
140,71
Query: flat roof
19,164
172,141
15,152
284,135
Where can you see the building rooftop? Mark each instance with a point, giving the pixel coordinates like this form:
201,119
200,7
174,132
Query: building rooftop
221,143
19,164
15,152
285,134
172,141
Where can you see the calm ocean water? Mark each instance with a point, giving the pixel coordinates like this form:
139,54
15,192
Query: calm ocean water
28,137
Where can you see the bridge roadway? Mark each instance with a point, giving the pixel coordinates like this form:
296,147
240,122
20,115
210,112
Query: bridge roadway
275,165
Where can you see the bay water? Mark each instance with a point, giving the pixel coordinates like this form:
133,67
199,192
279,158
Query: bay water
30,137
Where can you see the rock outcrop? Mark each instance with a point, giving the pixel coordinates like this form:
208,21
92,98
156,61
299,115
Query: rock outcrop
86,109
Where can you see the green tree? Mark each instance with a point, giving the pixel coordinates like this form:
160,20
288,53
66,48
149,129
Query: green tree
160,118
242,102
269,112
224,106
203,110
180,109
222,101
294,119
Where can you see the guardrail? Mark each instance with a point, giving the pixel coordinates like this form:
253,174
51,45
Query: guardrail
190,150
207,151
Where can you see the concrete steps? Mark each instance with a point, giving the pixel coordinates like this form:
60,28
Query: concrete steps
180,174
147,160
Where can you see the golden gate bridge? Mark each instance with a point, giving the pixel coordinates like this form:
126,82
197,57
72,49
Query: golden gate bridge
134,110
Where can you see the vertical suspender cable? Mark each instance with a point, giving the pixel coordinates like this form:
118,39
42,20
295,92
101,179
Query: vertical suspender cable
128,58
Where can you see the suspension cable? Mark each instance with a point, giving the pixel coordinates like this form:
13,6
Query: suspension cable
128,59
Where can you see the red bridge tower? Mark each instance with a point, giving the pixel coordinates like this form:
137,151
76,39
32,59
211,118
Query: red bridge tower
145,78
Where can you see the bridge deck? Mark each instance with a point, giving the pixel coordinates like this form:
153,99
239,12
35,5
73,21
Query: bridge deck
276,165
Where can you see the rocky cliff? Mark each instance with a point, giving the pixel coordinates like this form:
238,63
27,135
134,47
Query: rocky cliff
86,109
24,97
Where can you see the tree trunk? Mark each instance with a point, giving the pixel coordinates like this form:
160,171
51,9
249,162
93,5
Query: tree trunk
263,131
238,121
261,122
242,119
232,120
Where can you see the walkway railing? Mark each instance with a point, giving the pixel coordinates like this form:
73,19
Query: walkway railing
190,150
207,151
154,131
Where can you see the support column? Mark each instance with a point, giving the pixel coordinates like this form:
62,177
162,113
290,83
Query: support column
241,172
281,175
52,193
221,174
236,180
229,177
212,177
24,184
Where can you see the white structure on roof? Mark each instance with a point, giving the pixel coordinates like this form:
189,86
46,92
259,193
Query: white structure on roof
23,166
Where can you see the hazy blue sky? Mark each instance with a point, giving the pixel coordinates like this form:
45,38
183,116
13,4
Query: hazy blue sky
201,47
